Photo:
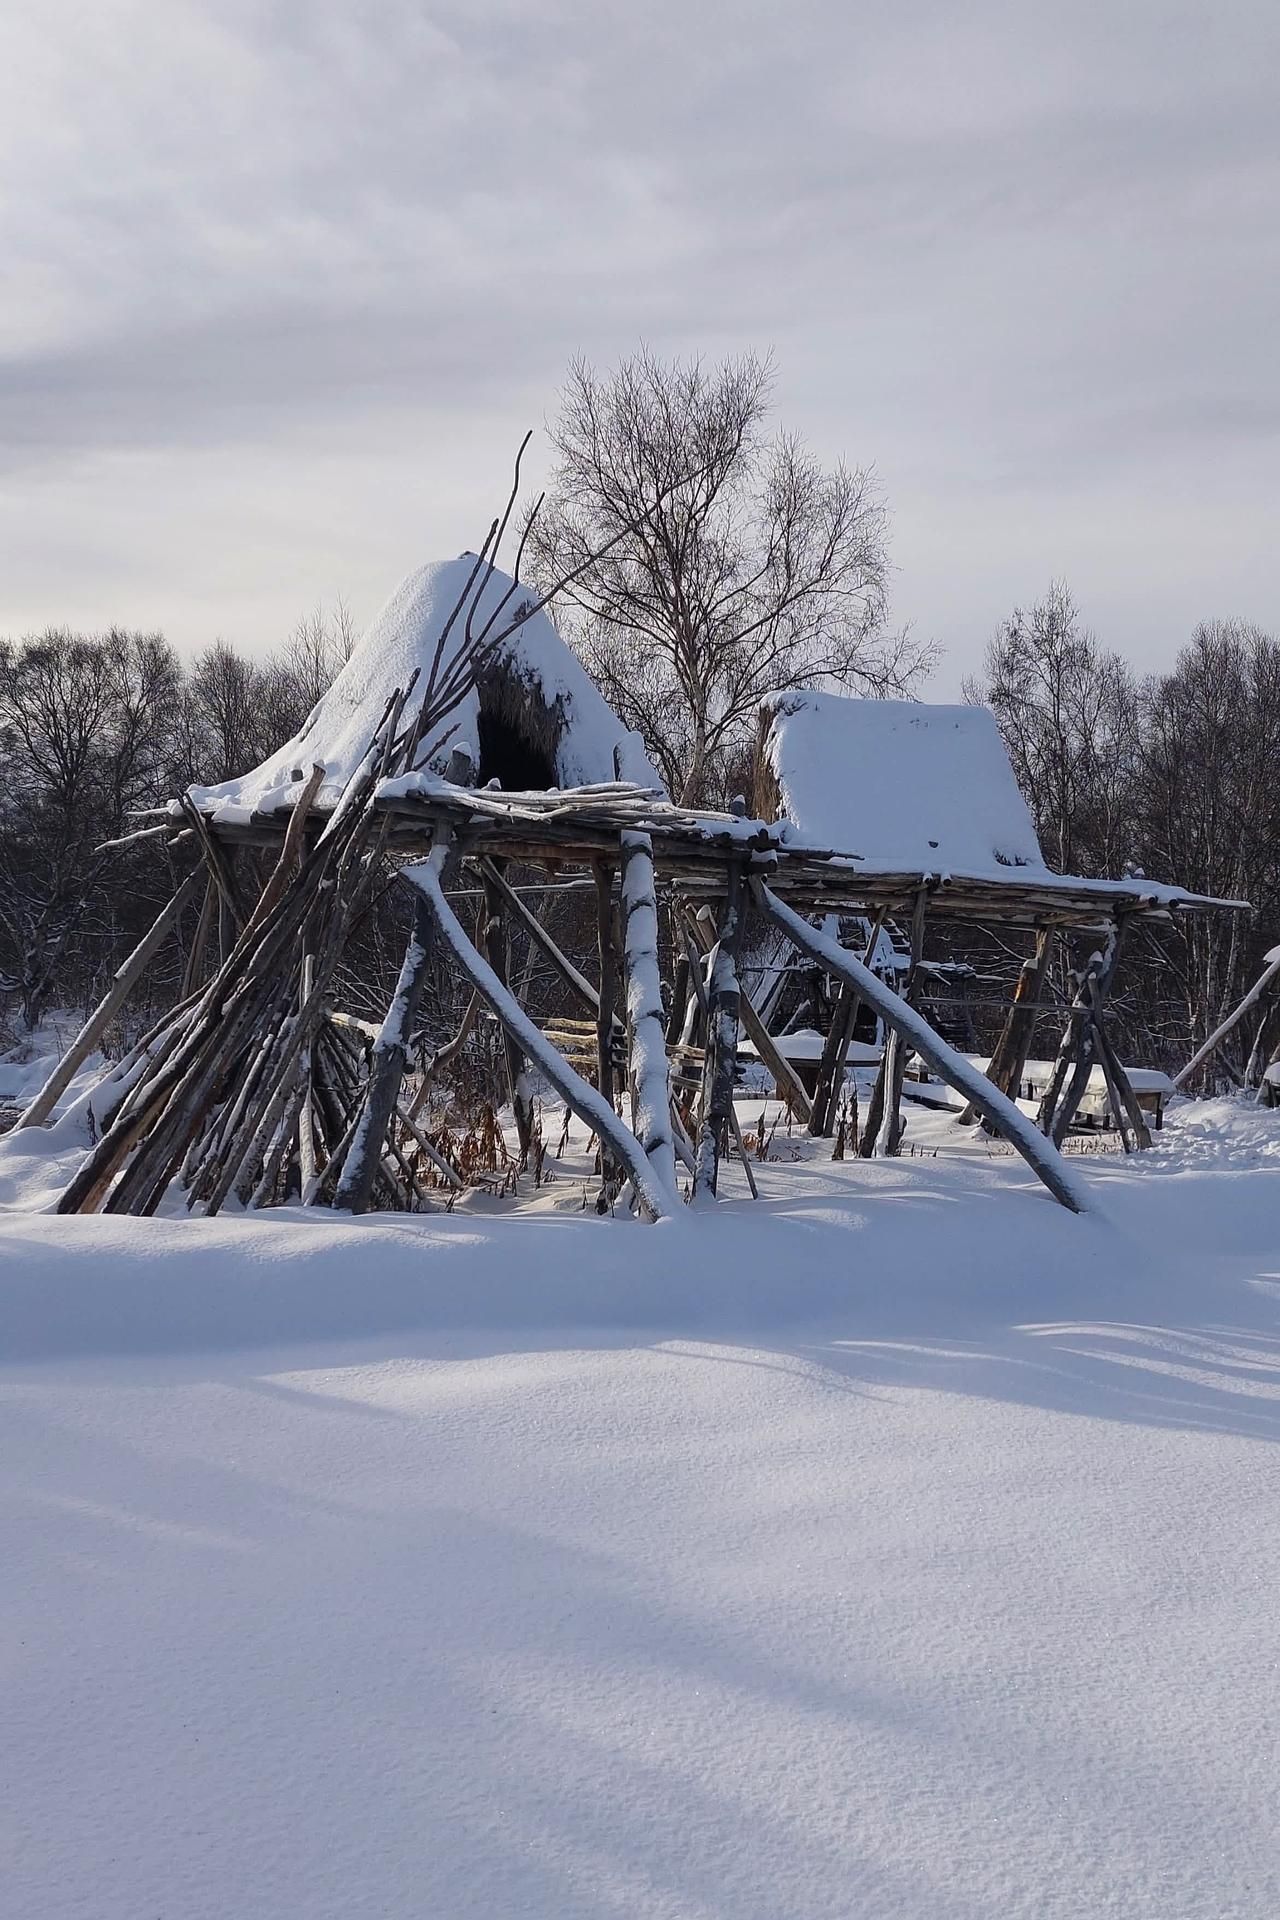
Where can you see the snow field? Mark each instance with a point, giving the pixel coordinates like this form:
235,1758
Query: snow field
901,1546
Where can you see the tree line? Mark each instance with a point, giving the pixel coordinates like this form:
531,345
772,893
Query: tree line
1169,774
94,728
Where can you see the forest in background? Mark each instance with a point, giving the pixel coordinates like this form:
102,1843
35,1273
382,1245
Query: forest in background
1170,774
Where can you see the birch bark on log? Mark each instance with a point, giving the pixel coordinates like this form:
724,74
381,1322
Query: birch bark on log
649,1074
724,998
390,1058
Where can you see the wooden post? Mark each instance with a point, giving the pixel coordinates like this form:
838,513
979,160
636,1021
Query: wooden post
655,1201
649,1074
390,1057
495,943
1058,1107
789,1083
1013,1047
1040,1154
724,999
830,1080
195,956
892,1127
607,998
126,978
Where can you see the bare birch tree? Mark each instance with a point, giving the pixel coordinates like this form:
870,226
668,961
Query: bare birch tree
758,570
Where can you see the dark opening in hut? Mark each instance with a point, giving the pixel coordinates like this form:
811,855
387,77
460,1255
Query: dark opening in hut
519,732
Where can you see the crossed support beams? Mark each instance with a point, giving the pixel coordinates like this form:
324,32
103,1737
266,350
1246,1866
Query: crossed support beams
1040,1154
265,1082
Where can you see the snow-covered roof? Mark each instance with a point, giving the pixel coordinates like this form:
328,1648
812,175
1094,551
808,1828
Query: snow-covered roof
911,788
565,708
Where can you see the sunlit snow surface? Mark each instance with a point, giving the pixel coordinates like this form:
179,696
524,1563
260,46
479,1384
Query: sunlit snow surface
900,1546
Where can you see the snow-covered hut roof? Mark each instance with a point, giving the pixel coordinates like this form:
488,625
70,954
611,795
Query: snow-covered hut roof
536,711
910,788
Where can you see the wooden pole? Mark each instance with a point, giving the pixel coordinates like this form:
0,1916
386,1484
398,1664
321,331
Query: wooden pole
126,978
788,1081
892,1127
724,1001
607,998
1058,1108
495,943
1013,1046
655,1201
1270,972
835,1053
1040,1154
390,1057
649,1074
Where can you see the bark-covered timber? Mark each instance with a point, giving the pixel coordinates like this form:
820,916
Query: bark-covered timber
126,978
579,1095
1270,973
835,1052
607,998
790,1086
648,1074
724,999
496,952
390,1059
1040,1154
1013,1043
1084,1023
892,1127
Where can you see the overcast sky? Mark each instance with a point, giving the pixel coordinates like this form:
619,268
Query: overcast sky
285,280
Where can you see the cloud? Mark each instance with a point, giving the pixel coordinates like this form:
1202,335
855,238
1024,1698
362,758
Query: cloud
295,277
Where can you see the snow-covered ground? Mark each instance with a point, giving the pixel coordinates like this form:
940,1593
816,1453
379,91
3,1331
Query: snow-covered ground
899,1545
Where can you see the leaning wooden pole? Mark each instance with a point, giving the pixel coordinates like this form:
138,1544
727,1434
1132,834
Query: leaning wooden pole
1041,1156
126,978
1269,973
582,1099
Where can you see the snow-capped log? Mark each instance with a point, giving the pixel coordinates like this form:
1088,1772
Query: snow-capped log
650,1075
655,1200
1040,1154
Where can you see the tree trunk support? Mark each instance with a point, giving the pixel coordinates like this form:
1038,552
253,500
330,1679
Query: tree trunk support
892,1126
649,1073
496,952
724,1000
830,1080
788,1081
